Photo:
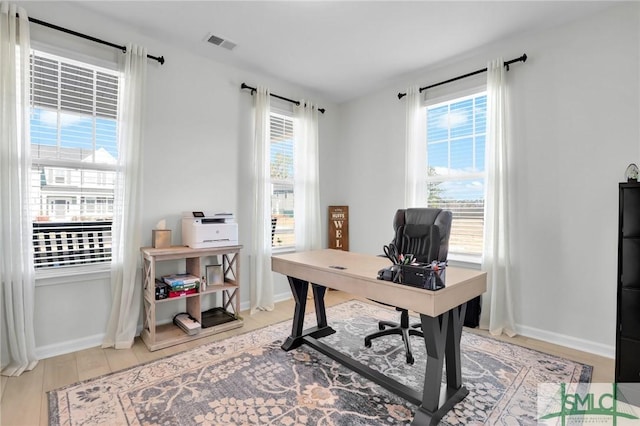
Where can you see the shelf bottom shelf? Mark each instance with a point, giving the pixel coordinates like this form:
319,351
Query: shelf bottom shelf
216,316
170,334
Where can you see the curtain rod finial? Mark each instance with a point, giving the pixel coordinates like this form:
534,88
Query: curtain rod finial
246,86
401,95
524,57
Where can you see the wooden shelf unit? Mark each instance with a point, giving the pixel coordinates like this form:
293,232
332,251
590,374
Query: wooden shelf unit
161,336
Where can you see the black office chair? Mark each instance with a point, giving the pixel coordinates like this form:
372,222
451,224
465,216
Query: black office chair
423,232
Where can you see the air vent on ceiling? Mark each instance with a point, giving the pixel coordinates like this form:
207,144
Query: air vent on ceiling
219,41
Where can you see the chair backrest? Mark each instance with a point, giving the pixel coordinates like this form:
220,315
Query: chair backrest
418,224
422,241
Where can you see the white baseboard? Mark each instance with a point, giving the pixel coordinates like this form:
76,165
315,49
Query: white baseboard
69,346
281,297
600,349
567,341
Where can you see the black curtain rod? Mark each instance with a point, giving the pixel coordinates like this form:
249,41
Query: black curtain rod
522,58
88,37
253,89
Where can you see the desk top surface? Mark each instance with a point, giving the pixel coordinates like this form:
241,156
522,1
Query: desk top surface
356,273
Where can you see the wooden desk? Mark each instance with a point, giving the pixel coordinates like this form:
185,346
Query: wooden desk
441,314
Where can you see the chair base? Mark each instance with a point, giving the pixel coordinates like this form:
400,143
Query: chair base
405,330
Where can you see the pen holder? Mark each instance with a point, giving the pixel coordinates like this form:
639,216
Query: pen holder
425,275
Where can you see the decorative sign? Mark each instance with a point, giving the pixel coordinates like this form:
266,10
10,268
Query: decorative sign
339,227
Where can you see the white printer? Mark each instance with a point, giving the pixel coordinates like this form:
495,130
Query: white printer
204,229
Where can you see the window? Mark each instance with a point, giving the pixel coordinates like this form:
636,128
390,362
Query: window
74,156
282,180
456,133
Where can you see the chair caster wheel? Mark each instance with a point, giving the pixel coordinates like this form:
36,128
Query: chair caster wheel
381,327
410,359
367,343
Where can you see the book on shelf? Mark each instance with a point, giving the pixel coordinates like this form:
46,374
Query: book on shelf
181,279
180,293
177,287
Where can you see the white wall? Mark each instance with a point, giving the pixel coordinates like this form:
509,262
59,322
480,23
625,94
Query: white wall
197,155
576,108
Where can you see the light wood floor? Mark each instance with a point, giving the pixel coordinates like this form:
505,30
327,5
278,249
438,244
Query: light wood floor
24,398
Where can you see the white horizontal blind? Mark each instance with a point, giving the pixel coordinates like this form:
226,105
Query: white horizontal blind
74,109
456,134
282,179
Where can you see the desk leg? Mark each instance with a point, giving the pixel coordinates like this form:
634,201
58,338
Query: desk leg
442,339
299,288
435,334
452,351
318,299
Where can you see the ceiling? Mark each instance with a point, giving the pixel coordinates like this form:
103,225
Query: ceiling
339,49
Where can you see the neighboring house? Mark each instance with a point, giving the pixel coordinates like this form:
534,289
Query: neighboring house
72,195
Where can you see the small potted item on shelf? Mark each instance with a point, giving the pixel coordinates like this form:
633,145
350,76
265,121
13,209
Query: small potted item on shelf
631,173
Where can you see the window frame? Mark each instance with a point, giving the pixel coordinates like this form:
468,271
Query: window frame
88,271
283,109
458,258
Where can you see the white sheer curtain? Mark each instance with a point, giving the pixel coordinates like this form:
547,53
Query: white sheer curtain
261,275
16,267
125,285
497,305
306,187
415,152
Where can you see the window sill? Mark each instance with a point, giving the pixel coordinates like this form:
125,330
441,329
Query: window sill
465,260
283,250
72,275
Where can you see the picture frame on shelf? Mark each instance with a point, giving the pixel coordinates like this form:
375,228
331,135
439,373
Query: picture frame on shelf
214,275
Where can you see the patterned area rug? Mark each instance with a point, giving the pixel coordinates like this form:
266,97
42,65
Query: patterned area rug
248,379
